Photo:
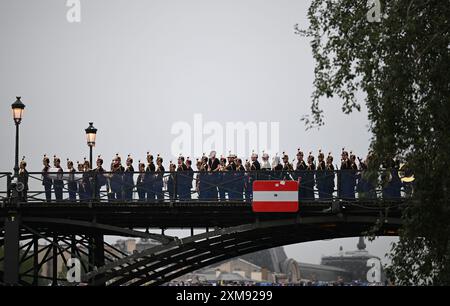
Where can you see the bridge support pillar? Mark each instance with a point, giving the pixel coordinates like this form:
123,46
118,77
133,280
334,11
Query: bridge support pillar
11,249
35,260
96,251
73,246
99,250
55,261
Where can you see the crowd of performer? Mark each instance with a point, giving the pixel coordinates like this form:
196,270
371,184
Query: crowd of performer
214,179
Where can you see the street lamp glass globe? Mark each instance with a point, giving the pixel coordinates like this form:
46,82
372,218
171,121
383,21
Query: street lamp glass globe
91,133
17,110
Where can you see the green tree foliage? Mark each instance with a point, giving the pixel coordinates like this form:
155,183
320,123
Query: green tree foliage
402,65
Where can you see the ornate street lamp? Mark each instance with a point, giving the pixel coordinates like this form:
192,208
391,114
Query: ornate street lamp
91,134
12,228
17,110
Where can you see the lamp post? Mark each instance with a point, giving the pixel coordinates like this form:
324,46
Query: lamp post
91,134
17,110
96,241
12,227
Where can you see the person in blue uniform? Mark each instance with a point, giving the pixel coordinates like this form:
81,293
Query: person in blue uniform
140,182
159,179
248,181
79,180
87,180
150,178
222,178
352,175
391,180
239,180
202,177
171,182
309,178
255,165
71,182
23,179
329,177
214,176
198,165
116,179
46,179
321,175
108,181
253,169
230,172
300,169
128,180
181,179
288,168
58,183
364,187
98,178
189,177
345,177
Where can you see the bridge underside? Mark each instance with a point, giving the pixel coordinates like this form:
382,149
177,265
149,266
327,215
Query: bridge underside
163,263
78,230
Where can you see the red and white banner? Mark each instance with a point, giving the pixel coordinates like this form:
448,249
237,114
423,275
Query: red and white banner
275,196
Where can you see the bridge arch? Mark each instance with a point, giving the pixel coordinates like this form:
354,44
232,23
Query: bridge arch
163,263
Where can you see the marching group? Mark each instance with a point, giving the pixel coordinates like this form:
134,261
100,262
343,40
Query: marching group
214,178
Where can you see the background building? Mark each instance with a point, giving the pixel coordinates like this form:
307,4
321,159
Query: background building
267,266
273,266
356,263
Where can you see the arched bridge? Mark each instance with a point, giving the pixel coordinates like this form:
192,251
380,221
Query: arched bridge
163,263
76,229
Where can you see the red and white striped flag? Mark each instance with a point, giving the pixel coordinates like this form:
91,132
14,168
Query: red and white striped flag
275,196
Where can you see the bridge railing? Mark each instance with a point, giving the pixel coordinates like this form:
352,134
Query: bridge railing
205,186
5,180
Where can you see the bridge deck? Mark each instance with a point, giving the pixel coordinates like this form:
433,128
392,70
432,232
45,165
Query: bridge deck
185,214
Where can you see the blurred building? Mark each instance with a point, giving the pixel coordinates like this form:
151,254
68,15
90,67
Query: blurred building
127,246
235,270
358,264
130,246
323,273
267,266
271,265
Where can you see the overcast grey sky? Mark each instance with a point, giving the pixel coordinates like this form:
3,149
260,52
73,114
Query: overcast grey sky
136,67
